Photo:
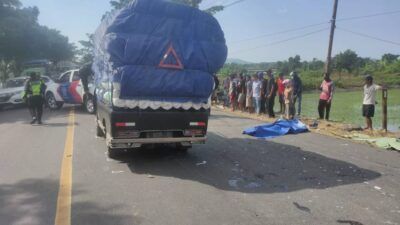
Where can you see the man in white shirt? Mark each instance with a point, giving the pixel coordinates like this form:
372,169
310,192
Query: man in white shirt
256,94
369,101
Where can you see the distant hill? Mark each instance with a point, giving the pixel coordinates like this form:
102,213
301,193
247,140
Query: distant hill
237,61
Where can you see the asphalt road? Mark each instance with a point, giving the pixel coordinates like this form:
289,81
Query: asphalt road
233,179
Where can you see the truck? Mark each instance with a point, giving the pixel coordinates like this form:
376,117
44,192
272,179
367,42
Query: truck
154,65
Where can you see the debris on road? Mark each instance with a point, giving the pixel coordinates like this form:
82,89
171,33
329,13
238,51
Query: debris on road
381,142
233,183
117,172
252,185
150,176
377,188
302,208
202,163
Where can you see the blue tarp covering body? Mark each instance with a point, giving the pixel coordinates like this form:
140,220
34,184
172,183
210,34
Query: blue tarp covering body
131,43
276,129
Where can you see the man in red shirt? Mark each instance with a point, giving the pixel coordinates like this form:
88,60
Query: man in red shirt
281,92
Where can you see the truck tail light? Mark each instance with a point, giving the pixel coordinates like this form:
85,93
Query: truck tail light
197,124
123,124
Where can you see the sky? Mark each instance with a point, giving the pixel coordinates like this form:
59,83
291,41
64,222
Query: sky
254,28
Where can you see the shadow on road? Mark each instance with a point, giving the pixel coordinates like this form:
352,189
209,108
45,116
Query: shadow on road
21,115
247,165
33,201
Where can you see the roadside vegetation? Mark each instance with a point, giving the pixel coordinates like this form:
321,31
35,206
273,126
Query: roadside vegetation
349,69
22,38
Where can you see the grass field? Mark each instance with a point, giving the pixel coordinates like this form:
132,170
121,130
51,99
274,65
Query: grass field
346,107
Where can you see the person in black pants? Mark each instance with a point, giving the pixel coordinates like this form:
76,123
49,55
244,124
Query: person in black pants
34,95
325,99
272,88
264,82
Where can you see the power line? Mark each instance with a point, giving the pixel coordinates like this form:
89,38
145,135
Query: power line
233,3
368,36
210,4
281,41
316,24
280,32
216,2
368,16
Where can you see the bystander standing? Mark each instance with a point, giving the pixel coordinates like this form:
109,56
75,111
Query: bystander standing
325,99
249,93
281,91
271,94
256,91
369,102
297,91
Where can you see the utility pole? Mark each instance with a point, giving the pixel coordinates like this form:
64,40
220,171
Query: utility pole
328,65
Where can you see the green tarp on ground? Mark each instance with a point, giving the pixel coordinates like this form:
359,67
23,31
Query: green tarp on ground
384,142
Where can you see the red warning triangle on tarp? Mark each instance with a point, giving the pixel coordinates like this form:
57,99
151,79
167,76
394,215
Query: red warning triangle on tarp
178,65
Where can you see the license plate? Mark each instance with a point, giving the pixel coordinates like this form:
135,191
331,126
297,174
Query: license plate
159,134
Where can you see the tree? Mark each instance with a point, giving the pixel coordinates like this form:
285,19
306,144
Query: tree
294,63
22,38
346,60
389,58
86,52
6,69
119,4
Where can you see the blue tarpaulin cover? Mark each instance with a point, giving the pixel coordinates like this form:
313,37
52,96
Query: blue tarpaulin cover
156,50
276,129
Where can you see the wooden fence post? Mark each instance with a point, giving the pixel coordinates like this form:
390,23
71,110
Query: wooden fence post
384,108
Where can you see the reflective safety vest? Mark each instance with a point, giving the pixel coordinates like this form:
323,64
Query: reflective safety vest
36,87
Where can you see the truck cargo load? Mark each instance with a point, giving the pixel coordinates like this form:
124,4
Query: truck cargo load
159,55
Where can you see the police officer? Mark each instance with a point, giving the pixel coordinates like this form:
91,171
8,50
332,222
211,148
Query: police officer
34,95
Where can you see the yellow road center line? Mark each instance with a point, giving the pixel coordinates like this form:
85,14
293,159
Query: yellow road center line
63,213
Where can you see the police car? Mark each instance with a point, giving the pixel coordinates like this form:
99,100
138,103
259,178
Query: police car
69,89
12,93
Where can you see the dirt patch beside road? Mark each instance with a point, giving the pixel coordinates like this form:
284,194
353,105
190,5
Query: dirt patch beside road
329,128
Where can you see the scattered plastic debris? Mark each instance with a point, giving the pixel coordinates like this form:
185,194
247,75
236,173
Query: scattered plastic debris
150,176
377,188
384,142
233,183
116,172
302,208
252,185
314,124
202,163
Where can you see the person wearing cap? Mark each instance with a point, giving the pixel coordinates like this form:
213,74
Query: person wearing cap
297,90
369,101
325,99
34,94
